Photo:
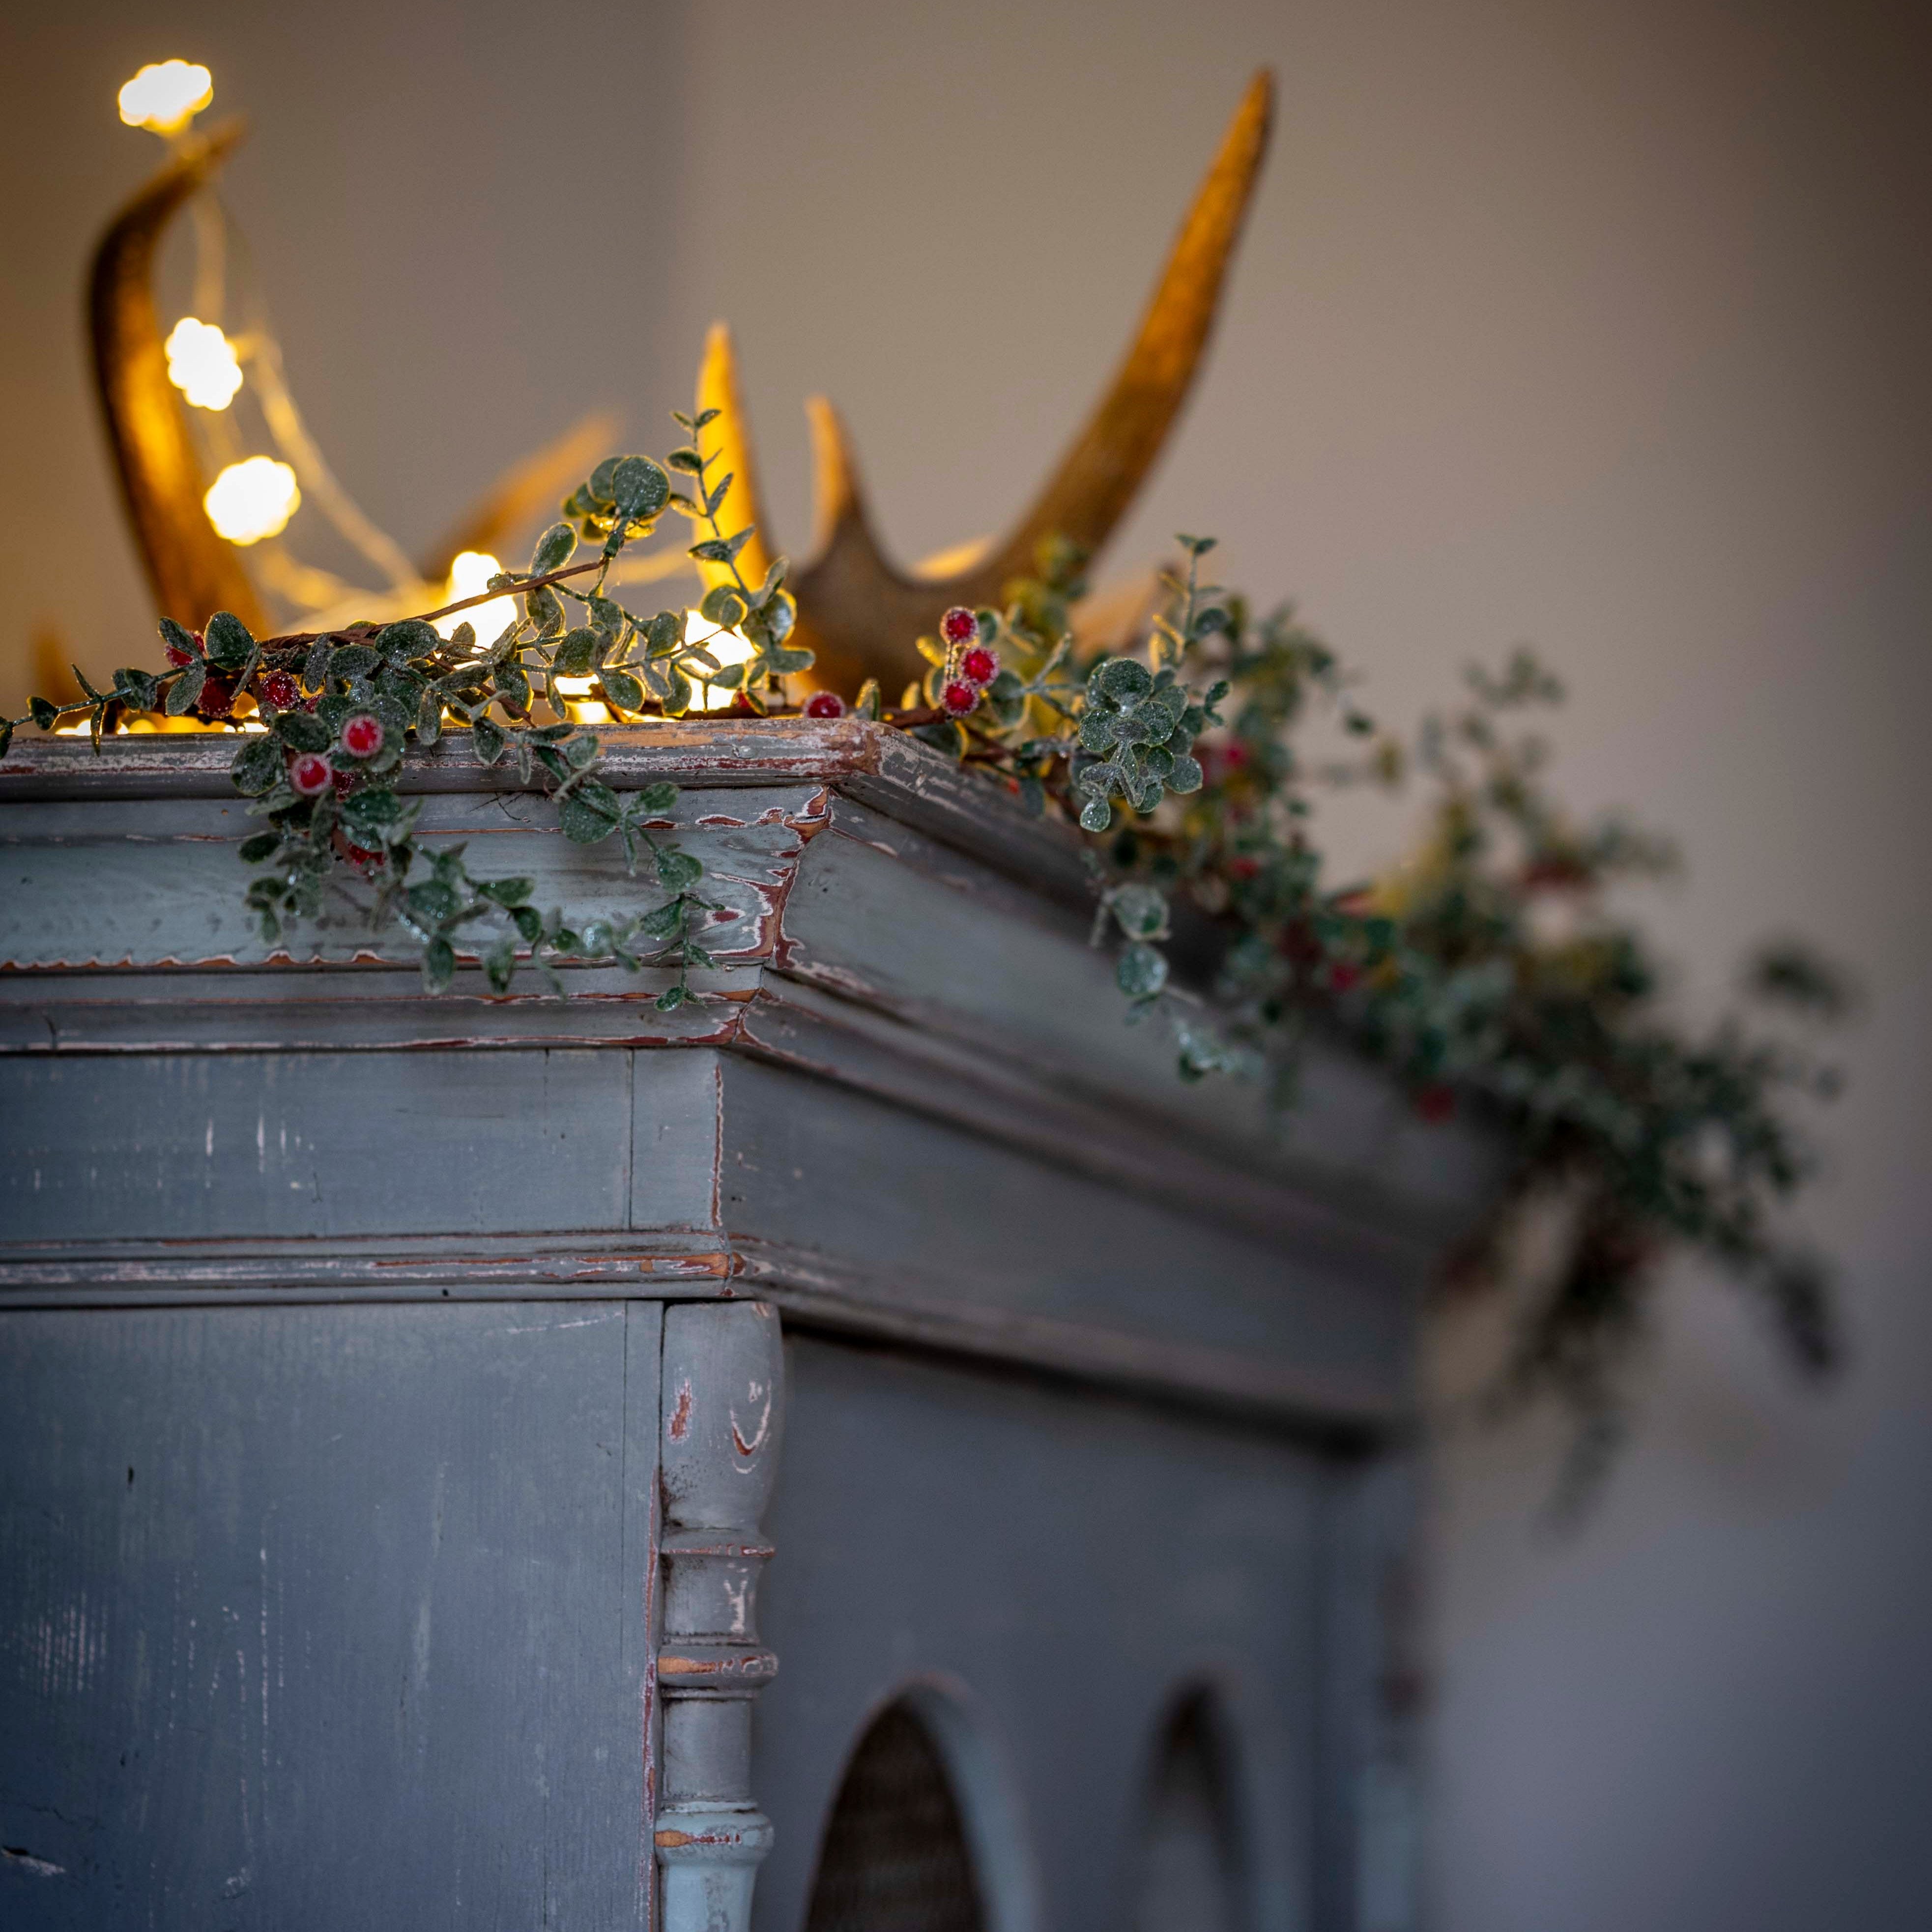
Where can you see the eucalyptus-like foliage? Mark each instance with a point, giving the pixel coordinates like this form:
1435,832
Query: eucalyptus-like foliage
338,710
1489,972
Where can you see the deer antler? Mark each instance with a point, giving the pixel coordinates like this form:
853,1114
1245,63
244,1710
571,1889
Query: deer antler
857,611
193,572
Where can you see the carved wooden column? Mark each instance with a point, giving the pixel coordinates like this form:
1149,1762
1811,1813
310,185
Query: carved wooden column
723,1408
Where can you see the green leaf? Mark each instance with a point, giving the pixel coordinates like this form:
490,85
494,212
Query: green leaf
1140,911
429,717
544,611
513,685
638,488
138,690
6,736
722,604
182,694
528,923
500,965
434,901
781,615
687,459
577,653
487,739
257,765
349,661
439,964
228,641
1100,730
261,845
301,731
620,688
315,666
678,872
412,637
1187,775
1096,815
590,813
505,893
654,800
721,550
715,496
670,999
666,633
180,637
370,811
1140,972
1122,680
553,550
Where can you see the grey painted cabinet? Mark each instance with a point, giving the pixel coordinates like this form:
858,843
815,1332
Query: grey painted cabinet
870,1449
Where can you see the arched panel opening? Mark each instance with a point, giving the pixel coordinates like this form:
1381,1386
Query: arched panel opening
1192,1866
896,1856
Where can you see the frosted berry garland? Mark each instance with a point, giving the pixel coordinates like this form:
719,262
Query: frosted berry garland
337,711
1487,973
1178,758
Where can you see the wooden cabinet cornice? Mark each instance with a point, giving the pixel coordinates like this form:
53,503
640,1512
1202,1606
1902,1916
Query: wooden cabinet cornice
1089,1386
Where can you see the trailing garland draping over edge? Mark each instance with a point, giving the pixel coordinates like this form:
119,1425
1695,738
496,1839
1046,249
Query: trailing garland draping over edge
1178,760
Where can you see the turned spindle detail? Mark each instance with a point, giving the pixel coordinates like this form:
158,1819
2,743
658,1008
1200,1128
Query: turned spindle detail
723,1407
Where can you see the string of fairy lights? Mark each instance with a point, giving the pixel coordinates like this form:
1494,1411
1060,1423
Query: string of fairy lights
255,495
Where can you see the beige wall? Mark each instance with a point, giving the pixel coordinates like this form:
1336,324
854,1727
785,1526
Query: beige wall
1601,326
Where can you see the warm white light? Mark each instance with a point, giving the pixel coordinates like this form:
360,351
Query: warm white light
202,364
167,96
251,500
726,646
469,574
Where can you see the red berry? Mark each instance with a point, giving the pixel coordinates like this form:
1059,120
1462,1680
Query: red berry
362,735
361,855
311,773
959,698
179,655
979,665
1436,1101
343,782
281,690
959,625
1343,973
217,697
824,704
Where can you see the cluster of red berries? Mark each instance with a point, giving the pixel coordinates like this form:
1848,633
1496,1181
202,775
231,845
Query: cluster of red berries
974,665
311,773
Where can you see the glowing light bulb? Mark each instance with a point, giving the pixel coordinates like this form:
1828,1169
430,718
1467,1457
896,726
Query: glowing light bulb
728,647
166,96
203,364
470,571
251,500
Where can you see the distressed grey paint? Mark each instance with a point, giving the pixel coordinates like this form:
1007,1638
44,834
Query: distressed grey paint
1059,1569
326,1617
906,1112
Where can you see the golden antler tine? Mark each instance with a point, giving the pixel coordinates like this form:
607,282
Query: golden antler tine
726,439
520,495
854,608
1099,474
193,572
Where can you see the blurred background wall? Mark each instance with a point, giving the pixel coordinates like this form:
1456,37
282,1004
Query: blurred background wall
1602,326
